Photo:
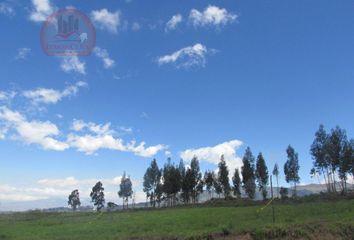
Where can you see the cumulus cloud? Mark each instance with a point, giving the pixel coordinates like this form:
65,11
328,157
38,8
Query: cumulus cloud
22,53
32,132
73,64
99,136
106,20
173,22
104,56
212,154
41,9
211,16
187,57
51,96
88,137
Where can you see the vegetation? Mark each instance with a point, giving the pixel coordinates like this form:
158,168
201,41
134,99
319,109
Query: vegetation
284,192
248,174
311,219
152,179
125,190
223,177
74,199
97,196
291,168
236,180
262,175
333,156
179,188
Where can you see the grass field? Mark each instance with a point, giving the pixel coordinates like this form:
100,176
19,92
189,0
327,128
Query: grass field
316,220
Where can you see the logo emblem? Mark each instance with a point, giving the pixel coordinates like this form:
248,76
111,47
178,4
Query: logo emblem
68,32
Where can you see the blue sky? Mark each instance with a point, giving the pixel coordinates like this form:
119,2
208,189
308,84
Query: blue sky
184,77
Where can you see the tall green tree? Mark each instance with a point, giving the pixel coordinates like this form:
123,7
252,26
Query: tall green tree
159,193
125,189
74,199
276,174
345,164
291,167
152,178
183,184
334,148
195,179
236,180
223,177
171,182
319,154
351,171
186,186
262,175
248,175
97,196
209,182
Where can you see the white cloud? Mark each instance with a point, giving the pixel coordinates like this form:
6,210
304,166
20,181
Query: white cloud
51,96
88,137
53,192
33,132
173,22
22,53
104,56
89,144
73,64
106,20
187,57
73,182
36,132
212,154
7,95
211,16
10,193
126,129
41,9
136,26
100,136
6,9
100,129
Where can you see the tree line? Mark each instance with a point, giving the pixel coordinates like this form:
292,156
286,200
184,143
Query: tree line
333,155
174,184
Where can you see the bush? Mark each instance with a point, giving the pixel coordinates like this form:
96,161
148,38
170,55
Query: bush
284,192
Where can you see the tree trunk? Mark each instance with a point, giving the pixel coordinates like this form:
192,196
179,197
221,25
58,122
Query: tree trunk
277,187
334,180
328,181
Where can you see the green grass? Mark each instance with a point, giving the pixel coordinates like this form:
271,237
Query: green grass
300,219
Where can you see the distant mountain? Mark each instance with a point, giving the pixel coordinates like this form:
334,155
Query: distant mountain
59,205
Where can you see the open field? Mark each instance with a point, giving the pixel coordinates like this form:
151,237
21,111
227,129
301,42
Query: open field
311,220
